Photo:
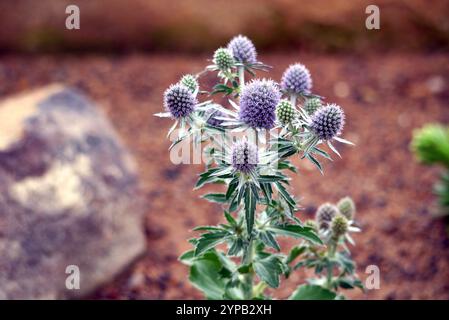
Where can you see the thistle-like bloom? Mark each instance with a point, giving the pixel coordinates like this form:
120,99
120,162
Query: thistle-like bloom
312,105
258,103
223,59
339,226
324,215
245,156
190,82
243,49
179,101
296,79
327,122
285,112
211,116
347,207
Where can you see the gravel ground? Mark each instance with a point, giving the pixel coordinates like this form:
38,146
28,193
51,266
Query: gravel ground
384,96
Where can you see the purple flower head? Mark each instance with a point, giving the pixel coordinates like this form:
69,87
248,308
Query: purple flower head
245,156
296,79
211,116
327,122
179,101
243,49
324,215
258,103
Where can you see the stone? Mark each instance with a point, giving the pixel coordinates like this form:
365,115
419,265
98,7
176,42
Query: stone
69,196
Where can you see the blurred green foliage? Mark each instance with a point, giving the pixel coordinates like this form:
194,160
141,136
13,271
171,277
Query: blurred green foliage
431,146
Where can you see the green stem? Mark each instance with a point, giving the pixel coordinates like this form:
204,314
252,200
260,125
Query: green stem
241,71
330,254
293,100
249,277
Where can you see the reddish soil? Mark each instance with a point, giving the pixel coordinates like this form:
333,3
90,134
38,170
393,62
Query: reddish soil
384,96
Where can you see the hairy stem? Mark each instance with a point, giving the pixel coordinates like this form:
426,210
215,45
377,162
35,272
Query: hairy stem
330,254
241,71
293,100
249,277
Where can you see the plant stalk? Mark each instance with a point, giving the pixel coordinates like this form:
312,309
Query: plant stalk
241,71
249,277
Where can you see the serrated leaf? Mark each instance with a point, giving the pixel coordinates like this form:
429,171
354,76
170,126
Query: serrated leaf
296,231
215,197
269,240
209,240
269,270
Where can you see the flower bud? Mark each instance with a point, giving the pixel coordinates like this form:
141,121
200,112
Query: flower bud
346,207
190,82
339,226
285,112
312,105
223,59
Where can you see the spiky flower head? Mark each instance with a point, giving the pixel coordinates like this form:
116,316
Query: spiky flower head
223,59
296,79
324,215
245,156
258,103
312,105
211,116
339,226
327,122
243,49
179,101
285,112
347,207
190,82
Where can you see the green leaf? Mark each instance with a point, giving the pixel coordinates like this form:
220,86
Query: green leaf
209,240
205,177
230,218
296,231
271,178
269,240
250,208
187,257
315,162
269,269
291,202
312,292
295,252
232,186
205,275
215,197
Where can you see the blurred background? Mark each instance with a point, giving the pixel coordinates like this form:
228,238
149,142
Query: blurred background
389,81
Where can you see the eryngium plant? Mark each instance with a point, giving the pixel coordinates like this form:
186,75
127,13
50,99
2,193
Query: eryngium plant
241,257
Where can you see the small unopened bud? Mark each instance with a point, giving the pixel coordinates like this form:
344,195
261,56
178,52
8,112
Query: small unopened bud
346,207
339,226
223,59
